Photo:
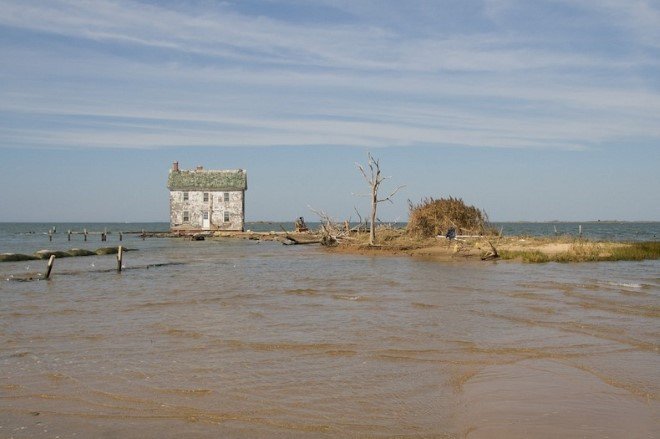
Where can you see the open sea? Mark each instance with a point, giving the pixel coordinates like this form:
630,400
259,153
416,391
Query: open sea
249,339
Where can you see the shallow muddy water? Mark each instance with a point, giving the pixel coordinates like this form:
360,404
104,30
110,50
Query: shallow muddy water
245,339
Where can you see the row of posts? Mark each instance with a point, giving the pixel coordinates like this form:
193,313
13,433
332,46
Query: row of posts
120,260
104,235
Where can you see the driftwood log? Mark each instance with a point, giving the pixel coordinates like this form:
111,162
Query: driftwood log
290,240
491,254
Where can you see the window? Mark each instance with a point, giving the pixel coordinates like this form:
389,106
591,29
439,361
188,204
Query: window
186,216
185,196
206,197
206,215
226,197
226,216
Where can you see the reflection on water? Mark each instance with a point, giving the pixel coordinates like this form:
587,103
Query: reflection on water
247,339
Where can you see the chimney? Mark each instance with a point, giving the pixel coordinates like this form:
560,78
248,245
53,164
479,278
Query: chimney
199,168
175,167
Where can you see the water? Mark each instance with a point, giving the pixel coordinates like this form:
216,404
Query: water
597,230
248,339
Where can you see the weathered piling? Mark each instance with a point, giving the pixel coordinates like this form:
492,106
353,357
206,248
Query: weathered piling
50,235
50,266
85,233
120,256
580,229
121,236
69,234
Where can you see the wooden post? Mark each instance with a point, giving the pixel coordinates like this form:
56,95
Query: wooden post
69,234
121,235
580,229
85,233
50,266
556,230
120,256
50,235
143,235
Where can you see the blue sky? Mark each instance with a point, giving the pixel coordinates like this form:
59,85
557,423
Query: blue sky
531,109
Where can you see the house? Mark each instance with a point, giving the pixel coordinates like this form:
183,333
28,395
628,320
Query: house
203,199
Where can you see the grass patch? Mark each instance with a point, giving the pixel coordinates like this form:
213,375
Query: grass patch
637,251
585,251
532,256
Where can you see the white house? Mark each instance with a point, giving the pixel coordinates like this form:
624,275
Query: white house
203,199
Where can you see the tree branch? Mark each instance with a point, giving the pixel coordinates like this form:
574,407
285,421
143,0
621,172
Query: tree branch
389,197
364,173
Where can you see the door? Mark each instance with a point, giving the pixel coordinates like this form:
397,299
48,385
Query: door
206,222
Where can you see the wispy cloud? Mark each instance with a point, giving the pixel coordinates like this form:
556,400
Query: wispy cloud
129,74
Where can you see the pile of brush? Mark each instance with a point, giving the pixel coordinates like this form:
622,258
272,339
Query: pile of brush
433,217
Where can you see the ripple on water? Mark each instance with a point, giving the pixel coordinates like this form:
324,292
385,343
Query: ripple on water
300,344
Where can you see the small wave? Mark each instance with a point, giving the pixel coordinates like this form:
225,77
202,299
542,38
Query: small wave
29,277
341,353
323,348
195,392
19,354
410,355
290,346
11,387
64,312
626,285
57,376
164,303
183,333
93,337
303,292
541,309
424,305
349,297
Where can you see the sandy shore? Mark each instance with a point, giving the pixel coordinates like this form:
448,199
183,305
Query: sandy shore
526,249
395,242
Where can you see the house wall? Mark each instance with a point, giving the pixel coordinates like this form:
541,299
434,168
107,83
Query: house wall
216,206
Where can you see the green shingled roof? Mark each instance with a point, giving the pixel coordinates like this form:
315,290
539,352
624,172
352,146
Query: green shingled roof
207,180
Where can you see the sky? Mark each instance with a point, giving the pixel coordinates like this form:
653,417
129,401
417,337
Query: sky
530,109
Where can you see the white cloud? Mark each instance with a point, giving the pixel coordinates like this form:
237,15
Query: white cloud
639,18
164,77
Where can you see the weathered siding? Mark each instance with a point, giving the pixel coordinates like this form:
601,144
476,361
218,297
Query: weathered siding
216,206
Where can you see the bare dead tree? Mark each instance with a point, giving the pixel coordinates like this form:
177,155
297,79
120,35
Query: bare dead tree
359,225
374,180
330,231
